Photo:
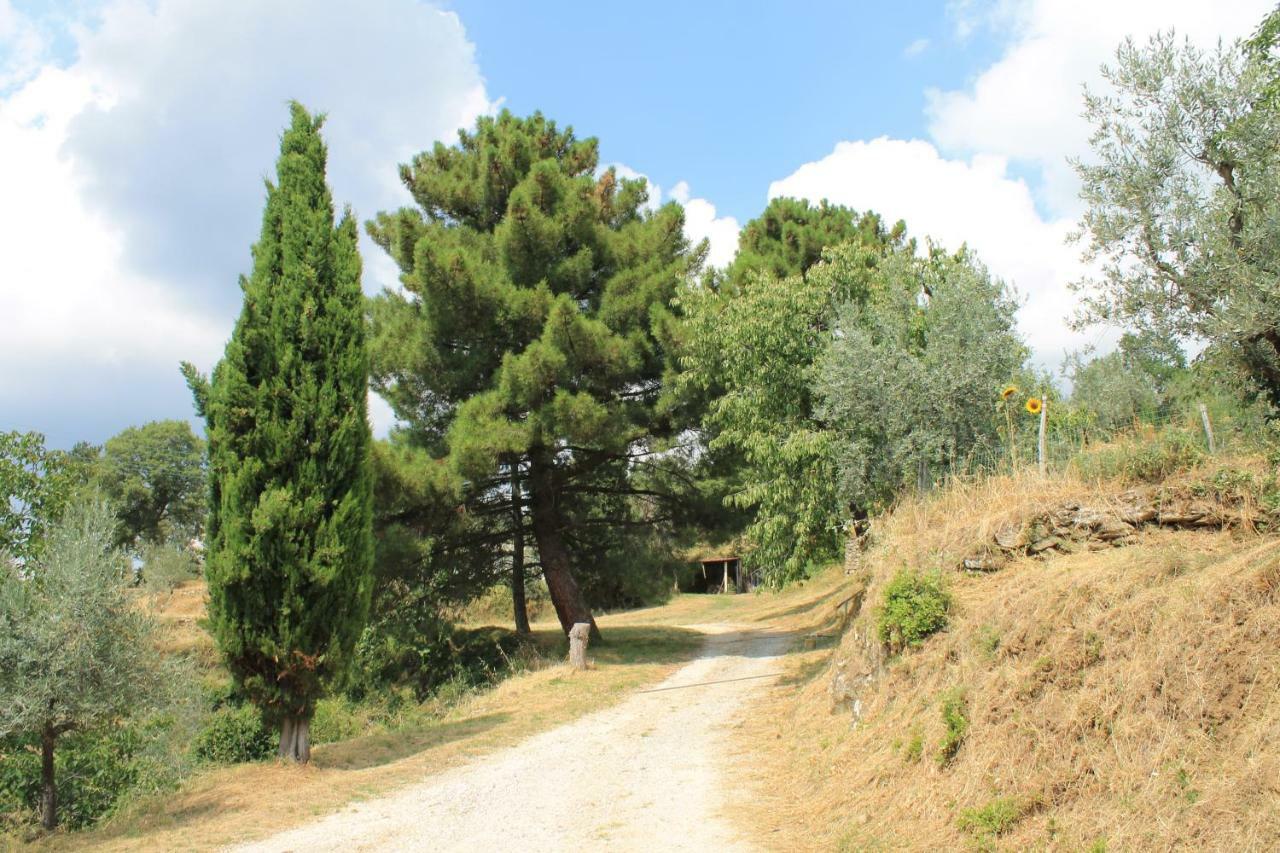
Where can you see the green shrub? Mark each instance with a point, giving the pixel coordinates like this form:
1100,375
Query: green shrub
995,818
915,747
1147,460
915,607
166,565
338,718
956,725
234,735
92,771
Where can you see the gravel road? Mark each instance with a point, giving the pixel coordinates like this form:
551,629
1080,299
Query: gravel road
642,775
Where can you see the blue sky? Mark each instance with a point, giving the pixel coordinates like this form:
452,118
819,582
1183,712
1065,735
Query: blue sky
136,134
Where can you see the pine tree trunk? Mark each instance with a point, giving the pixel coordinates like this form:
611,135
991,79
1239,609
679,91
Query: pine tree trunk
295,739
518,602
548,526
48,792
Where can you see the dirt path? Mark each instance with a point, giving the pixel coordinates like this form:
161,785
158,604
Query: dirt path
642,775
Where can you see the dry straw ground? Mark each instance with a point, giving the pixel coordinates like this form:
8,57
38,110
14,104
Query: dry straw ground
1126,699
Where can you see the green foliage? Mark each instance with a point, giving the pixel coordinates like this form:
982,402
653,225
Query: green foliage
413,647
995,818
1142,459
1182,200
154,475
915,608
790,236
233,735
915,747
955,724
910,375
35,486
166,565
289,541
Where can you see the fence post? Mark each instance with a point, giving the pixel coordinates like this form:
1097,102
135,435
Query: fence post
1208,427
1044,418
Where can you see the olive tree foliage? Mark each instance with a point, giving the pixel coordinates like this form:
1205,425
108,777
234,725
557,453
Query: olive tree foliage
911,372
75,649
758,345
1183,198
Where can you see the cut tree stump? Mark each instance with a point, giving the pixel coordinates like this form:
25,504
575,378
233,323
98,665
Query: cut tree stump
579,636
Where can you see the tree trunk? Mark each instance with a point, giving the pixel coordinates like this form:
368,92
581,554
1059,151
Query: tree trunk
48,792
295,739
517,554
548,525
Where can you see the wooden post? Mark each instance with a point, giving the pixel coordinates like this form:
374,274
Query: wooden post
724,587
1208,427
579,636
922,476
1044,418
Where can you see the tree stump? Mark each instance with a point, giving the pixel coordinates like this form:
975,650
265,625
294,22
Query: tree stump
579,636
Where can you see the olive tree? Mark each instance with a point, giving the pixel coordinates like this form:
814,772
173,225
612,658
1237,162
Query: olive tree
75,648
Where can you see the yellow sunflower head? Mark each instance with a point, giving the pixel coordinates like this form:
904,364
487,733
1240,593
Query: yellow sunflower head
1034,405
1009,391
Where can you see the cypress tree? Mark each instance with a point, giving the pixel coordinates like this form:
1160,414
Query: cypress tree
530,347
289,533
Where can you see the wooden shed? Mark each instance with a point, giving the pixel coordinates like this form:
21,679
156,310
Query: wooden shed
721,573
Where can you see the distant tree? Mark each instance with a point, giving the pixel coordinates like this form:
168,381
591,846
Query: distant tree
911,373
532,341
75,650
289,536
789,236
1183,195
155,477
36,483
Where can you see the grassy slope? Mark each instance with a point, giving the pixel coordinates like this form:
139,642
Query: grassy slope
1120,699
226,805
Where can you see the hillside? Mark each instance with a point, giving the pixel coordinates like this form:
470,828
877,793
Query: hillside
1112,690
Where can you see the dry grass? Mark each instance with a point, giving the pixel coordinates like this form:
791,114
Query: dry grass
1127,698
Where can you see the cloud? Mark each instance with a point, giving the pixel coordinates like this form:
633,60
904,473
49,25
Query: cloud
958,202
1027,105
133,180
916,48
701,222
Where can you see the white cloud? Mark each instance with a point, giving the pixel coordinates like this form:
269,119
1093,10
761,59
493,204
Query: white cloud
701,222
1027,105
916,48
959,202
133,180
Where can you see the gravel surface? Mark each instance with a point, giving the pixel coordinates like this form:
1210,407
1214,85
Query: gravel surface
642,775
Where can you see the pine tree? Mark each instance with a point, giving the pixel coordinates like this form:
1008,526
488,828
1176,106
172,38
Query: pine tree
289,531
530,346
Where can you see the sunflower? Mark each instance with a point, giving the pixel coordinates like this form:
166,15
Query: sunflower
1009,391
1034,405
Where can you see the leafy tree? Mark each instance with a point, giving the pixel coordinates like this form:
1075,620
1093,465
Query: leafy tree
1183,195
75,650
790,235
36,483
532,338
910,376
289,539
154,475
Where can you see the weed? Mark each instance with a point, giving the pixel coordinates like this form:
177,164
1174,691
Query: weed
954,703
995,818
988,642
915,607
1147,461
915,747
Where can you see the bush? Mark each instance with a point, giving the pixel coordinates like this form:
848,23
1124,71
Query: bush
92,771
338,718
1147,460
956,725
995,818
167,565
234,735
915,607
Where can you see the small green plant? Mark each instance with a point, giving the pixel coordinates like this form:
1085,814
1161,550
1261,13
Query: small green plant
915,607
234,735
955,722
338,718
995,818
988,641
915,747
1190,794
167,565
